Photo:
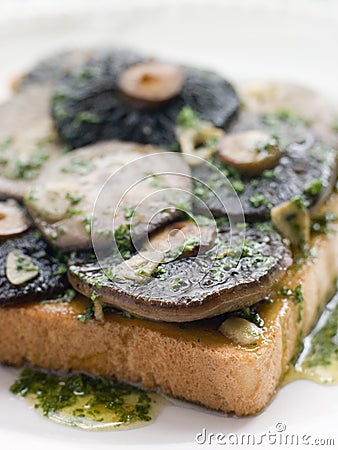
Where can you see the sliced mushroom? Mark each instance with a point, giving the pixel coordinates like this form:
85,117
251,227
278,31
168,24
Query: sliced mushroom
305,158
151,82
292,220
200,140
61,203
240,330
129,97
251,151
192,288
20,268
13,220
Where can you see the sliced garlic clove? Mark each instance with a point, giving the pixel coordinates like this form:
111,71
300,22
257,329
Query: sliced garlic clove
20,268
139,267
292,220
240,331
200,141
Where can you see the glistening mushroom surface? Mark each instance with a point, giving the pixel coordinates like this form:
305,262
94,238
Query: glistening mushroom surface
230,275
93,107
307,168
50,279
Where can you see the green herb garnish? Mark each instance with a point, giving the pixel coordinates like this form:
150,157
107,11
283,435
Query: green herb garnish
79,166
258,200
94,398
188,118
313,188
123,240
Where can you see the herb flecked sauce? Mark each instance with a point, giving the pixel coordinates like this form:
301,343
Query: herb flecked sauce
86,402
318,360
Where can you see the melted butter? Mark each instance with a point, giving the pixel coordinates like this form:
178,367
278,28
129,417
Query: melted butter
89,403
318,360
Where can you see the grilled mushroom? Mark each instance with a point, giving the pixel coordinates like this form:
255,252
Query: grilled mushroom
61,203
228,276
128,97
29,270
302,165
266,98
53,68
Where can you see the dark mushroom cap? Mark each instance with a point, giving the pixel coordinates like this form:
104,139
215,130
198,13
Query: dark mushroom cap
89,106
305,161
50,280
193,288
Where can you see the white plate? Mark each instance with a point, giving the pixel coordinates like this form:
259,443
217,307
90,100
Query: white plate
293,41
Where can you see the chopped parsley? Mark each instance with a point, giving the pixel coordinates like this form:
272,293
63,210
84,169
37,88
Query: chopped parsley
96,398
123,240
188,118
62,269
297,297
190,243
87,220
88,314
28,169
79,166
324,344
258,200
313,188
74,198
285,115
87,117
128,211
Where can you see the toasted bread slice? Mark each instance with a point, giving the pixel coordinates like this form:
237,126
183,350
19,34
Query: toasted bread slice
193,361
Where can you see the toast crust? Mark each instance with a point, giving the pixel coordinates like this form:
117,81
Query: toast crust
192,361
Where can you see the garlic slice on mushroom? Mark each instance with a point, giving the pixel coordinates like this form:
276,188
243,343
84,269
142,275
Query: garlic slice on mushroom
20,268
12,219
198,141
292,220
240,330
139,267
251,151
178,240
182,239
